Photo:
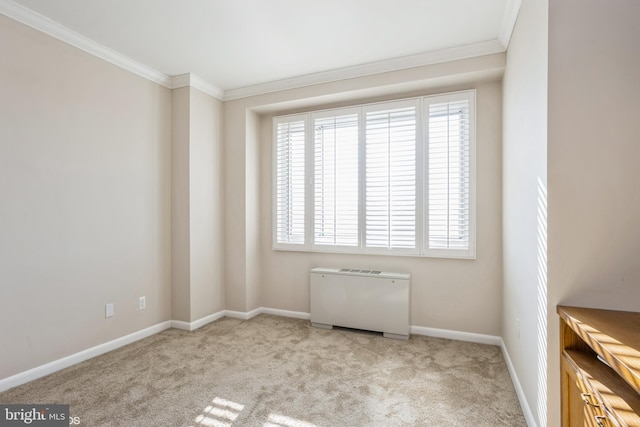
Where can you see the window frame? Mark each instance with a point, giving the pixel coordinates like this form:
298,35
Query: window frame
470,96
419,184
322,114
422,173
303,117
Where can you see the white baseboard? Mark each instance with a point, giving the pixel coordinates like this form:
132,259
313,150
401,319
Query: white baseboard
417,330
286,313
243,315
265,310
526,410
179,324
81,356
456,335
192,326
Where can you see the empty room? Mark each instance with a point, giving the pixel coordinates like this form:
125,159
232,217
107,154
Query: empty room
298,213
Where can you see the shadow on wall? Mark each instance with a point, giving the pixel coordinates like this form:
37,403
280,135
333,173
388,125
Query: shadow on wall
542,302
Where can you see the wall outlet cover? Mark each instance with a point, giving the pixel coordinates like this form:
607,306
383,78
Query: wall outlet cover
108,310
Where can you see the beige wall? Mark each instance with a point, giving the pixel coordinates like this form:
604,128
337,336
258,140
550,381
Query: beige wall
180,206
206,209
235,233
524,154
461,295
85,166
593,152
197,213
594,108
112,190
253,214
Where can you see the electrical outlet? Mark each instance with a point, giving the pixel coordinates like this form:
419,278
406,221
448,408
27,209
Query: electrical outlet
142,303
108,310
518,327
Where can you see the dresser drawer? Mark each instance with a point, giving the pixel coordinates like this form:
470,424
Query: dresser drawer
590,401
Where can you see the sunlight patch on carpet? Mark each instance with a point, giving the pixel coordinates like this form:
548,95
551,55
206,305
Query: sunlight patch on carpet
276,420
221,413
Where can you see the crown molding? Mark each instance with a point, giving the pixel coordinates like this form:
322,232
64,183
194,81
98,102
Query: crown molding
396,64
508,23
181,80
191,80
60,32
206,87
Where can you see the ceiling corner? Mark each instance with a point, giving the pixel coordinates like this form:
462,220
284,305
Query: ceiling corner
509,21
206,87
180,80
191,80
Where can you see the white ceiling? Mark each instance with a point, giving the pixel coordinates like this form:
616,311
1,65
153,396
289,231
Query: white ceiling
232,44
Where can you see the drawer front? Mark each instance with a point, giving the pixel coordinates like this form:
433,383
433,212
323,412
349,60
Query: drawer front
592,409
583,407
596,412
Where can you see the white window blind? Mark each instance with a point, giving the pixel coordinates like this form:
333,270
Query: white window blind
449,173
336,180
390,185
392,178
290,179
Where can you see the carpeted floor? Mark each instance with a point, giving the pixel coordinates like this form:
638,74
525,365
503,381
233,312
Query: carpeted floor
279,372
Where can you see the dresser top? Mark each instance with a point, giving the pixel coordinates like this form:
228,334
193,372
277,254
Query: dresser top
614,335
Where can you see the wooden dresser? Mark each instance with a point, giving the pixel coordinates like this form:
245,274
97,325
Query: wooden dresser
600,367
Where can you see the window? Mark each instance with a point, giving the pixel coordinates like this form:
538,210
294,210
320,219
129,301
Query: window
390,178
450,163
335,179
290,177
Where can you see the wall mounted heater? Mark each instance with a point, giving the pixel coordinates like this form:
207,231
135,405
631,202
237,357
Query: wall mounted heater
361,299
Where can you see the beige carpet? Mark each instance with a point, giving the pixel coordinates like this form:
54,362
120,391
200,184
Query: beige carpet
278,372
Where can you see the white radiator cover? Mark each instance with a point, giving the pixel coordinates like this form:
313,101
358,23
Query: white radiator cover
361,299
